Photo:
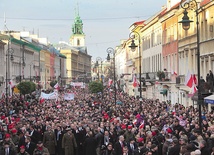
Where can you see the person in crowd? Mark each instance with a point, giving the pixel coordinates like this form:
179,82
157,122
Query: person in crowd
128,135
99,138
139,149
90,145
33,134
167,143
154,149
132,146
118,147
175,149
106,138
59,134
126,150
203,147
29,145
150,122
211,80
40,149
80,134
49,140
15,138
8,150
108,150
69,142
9,141
22,151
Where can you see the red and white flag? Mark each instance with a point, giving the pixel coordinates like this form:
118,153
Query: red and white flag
11,84
193,90
135,83
195,82
134,121
110,81
174,73
2,95
41,100
141,125
190,80
56,86
156,82
173,112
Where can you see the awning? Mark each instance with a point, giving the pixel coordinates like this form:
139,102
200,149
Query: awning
209,99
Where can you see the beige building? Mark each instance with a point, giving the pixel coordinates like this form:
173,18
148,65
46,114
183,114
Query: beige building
187,47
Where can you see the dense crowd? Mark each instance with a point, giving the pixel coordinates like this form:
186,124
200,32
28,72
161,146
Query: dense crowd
92,124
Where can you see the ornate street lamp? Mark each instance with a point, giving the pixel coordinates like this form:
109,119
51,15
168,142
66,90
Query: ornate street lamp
9,57
132,36
110,50
31,64
97,65
193,5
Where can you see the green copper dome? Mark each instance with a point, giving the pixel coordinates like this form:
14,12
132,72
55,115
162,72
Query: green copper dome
77,27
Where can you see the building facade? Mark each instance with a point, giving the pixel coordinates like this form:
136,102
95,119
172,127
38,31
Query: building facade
169,50
26,59
78,62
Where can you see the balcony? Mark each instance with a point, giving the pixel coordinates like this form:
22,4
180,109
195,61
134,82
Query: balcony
150,77
153,76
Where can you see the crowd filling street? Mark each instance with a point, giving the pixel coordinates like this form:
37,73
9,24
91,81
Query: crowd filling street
92,124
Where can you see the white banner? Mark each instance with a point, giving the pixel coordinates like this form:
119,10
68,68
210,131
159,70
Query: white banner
50,96
69,96
77,84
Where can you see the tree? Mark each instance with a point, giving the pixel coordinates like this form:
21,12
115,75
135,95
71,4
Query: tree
95,87
52,84
26,87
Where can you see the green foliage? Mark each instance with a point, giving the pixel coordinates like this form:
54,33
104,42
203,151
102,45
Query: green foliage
95,87
52,84
26,87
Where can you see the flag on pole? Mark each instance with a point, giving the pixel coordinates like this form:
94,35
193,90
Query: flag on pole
110,81
192,90
190,80
141,125
174,73
195,82
56,86
134,81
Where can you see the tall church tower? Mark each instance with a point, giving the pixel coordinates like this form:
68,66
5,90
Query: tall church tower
78,37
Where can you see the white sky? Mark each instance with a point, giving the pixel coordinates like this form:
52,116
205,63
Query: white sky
106,22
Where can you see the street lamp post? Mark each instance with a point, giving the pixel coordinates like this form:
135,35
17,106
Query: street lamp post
192,4
22,64
9,56
133,47
30,69
110,50
97,65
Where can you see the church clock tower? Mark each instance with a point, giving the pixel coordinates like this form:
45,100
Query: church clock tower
78,37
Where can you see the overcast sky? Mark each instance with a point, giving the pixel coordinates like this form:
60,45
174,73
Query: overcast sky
105,22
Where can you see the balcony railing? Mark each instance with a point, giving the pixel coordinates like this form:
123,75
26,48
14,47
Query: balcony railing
152,77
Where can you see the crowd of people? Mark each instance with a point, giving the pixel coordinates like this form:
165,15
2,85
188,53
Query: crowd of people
93,124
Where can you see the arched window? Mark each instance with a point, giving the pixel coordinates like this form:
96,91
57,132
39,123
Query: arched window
78,42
